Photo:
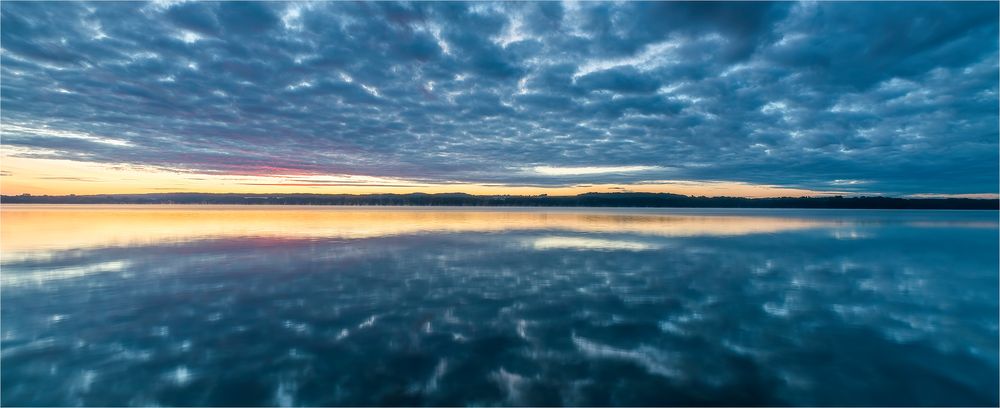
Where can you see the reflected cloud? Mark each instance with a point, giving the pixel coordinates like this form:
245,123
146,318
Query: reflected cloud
503,307
544,243
848,234
15,276
655,361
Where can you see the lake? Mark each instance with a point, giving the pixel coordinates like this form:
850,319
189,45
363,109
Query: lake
257,305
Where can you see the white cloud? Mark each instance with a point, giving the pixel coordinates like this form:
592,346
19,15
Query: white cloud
576,171
46,132
654,55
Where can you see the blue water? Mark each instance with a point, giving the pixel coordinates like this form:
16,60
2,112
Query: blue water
515,307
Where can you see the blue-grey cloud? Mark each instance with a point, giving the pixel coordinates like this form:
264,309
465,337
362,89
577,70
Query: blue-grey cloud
893,98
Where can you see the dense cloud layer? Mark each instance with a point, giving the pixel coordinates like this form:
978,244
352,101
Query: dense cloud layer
895,98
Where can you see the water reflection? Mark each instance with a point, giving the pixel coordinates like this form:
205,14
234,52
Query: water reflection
362,307
34,227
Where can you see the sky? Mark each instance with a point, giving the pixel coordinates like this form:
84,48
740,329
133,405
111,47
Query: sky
739,99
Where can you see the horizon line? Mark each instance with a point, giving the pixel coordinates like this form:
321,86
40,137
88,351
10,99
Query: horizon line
973,196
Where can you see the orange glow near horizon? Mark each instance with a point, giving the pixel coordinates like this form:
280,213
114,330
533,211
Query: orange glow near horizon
62,177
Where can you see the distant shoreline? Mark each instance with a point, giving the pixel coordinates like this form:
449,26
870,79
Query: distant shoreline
609,200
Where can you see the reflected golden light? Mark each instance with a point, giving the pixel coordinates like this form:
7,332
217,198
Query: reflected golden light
25,228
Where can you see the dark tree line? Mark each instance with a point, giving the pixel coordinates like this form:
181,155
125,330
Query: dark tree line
461,199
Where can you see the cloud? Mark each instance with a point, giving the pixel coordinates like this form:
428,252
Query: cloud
802,95
621,80
578,171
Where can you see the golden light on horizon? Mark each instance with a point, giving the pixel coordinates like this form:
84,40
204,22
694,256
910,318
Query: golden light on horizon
63,177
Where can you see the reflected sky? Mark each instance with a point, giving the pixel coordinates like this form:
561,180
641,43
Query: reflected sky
29,228
390,306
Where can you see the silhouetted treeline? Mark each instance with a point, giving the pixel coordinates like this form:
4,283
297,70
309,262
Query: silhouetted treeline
460,199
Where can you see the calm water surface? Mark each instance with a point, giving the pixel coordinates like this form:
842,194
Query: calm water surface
188,305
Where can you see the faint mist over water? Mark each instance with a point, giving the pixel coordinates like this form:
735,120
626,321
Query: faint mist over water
188,305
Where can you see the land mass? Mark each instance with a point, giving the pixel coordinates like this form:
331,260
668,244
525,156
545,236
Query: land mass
461,199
